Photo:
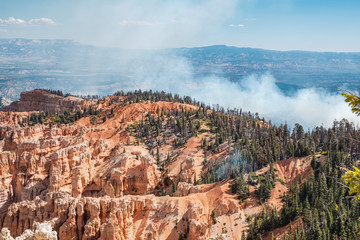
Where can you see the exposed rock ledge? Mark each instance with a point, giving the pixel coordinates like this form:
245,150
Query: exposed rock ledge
40,100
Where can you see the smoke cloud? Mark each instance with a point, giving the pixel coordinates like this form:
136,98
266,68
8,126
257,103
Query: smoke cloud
256,93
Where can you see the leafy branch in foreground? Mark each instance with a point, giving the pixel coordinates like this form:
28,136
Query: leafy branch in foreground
353,179
353,101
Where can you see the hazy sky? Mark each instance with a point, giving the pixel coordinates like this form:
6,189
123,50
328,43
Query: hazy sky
320,25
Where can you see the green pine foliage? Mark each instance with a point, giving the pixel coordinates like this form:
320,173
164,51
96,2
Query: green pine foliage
240,188
267,185
213,216
322,203
56,92
259,142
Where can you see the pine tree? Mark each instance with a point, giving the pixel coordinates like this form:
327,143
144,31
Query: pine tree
158,157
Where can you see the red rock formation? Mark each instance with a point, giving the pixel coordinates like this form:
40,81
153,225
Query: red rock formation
40,100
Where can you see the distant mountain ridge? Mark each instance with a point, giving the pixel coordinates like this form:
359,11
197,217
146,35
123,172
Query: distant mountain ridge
67,65
301,68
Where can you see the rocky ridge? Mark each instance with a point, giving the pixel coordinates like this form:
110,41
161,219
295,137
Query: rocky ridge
40,100
88,182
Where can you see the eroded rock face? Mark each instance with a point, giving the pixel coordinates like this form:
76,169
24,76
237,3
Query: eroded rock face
52,174
40,100
87,182
184,189
88,187
128,217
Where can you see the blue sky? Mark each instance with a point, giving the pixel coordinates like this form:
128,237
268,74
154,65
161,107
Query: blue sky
317,25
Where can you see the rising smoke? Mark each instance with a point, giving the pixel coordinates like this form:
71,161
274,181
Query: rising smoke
256,93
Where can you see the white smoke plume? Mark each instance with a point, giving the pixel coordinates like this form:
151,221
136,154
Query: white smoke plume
256,93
